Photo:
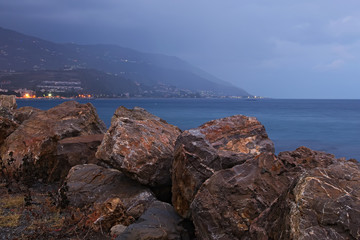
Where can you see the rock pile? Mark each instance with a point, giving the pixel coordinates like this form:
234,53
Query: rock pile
226,182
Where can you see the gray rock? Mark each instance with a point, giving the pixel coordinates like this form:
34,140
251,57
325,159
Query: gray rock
117,230
159,221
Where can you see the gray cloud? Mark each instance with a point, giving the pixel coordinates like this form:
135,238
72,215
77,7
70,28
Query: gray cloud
273,48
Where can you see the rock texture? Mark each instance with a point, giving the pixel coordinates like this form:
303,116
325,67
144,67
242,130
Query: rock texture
90,184
77,150
7,104
243,202
30,151
141,145
323,204
7,126
229,201
24,113
109,213
7,123
8,101
216,145
160,221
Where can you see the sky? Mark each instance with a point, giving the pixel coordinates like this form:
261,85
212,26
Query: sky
278,49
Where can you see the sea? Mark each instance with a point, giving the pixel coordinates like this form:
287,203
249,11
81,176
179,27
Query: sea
331,126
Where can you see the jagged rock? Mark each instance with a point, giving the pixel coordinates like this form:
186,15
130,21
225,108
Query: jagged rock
30,151
77,150
141,145
216,145
7,127
304,158
90,184
323,204
24,113
231,199
159,221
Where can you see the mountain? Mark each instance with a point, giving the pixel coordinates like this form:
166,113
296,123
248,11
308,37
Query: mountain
19,52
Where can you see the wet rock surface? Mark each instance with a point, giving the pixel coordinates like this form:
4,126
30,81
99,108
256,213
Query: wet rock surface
216,145
141,145
30,151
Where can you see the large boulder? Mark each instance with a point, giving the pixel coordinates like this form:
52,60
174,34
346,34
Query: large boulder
159,221
216,145
92,185
141,145
323,204
229,201
232,200
30,151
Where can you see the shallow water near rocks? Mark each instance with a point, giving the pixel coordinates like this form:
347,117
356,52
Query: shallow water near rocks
326,125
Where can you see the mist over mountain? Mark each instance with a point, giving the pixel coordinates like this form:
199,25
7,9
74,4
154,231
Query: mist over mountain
149,72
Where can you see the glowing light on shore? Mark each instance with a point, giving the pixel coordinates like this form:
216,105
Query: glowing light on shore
27,95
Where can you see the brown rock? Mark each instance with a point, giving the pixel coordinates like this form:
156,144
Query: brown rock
7,126
77,150
90,184
30,150
8,101
24,113
216,145
239,134
158,222
323,204
229,201
141,145
304,158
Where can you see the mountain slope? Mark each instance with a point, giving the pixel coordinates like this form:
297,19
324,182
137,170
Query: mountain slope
19,52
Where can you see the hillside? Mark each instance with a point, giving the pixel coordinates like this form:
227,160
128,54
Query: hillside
19,52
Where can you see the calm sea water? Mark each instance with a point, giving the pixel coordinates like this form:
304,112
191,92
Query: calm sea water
327,125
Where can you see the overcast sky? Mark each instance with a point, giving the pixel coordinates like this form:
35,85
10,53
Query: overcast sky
281,48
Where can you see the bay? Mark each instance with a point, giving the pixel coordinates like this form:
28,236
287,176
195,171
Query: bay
326,125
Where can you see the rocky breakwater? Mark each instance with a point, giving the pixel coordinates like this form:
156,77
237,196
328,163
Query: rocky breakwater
225,179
